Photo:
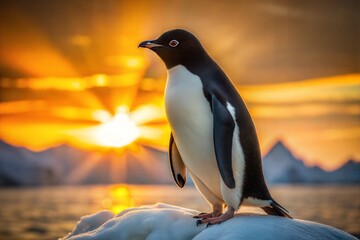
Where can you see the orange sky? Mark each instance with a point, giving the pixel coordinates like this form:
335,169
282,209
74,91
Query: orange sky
318,118
71,71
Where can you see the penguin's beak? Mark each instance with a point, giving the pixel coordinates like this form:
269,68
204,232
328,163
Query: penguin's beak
149,44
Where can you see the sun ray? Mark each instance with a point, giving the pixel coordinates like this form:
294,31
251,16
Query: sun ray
76,175
147,113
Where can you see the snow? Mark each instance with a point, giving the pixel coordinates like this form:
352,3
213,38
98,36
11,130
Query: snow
163,221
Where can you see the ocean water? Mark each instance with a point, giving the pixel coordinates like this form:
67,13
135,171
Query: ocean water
52,212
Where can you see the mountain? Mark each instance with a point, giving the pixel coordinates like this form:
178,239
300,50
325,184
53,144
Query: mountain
347,173
67,165
145,165
281,166
19,166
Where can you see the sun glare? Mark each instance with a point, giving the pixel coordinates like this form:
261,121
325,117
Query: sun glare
117,132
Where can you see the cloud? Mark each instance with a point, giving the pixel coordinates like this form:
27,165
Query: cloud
333,88
80,40
329,96
306,110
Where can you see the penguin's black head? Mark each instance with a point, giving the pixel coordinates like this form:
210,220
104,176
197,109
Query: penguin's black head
176,47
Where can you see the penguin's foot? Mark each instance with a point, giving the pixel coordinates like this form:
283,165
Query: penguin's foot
218,219
209,215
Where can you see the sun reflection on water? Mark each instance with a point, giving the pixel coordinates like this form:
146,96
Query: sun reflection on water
119,199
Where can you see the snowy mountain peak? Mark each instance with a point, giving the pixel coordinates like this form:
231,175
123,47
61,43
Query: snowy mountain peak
280,154
350,164
280,146
348,172
281,166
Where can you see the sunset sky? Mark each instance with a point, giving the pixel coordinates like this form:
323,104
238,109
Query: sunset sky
71,72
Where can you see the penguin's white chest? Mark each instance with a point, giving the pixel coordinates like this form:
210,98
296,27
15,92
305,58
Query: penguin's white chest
191,122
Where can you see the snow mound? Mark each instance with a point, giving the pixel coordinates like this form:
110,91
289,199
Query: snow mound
163,221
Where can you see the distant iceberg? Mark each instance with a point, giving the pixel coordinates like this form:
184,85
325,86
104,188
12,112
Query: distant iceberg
163,221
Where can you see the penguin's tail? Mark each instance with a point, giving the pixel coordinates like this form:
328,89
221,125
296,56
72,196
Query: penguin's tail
276,209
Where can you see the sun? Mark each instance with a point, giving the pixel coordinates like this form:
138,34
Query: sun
144,125
118,131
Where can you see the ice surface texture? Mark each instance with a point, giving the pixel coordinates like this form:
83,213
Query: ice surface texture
163,221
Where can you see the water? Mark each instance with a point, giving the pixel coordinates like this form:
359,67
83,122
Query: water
51,212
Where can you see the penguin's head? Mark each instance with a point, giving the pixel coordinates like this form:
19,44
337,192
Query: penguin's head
176,47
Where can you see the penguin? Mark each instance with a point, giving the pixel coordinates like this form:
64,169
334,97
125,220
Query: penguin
213,137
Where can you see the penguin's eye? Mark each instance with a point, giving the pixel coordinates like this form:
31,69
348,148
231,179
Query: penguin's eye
173,43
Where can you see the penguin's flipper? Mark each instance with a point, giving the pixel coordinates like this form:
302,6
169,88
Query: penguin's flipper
177,165
223,138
